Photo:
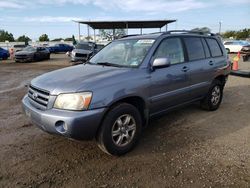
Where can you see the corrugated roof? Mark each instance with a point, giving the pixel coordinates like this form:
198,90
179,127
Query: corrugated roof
130,24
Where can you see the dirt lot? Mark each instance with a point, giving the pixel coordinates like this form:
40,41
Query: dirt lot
186,148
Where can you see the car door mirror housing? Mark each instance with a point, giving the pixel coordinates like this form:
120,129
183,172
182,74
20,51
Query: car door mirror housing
161,63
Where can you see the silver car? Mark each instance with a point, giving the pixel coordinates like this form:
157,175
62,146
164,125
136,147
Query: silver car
83,51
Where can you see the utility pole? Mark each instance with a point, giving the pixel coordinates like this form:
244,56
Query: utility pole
219,27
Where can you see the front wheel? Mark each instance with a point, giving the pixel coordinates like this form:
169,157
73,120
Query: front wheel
120,130
214,97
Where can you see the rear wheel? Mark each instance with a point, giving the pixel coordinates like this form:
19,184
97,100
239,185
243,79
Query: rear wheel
120,130
214,97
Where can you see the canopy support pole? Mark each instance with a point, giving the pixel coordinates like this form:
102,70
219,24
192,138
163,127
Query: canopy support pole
141,31
88,31
79,32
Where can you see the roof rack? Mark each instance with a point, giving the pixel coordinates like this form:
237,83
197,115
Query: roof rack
188,31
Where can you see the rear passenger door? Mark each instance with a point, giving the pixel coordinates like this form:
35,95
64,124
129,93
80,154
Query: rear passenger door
201,65
169,85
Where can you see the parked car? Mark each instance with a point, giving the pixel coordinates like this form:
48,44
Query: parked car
83,51
237,46
59,48
30,53
112,97
4,54
18,47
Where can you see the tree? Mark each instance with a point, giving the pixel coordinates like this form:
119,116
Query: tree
43,37
5,35
241,34
108,33
68,39
57,39
74,40
23,38
229,34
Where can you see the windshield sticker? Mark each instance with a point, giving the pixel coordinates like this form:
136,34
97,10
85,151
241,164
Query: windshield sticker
145,41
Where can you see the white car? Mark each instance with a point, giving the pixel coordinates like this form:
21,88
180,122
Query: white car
235,46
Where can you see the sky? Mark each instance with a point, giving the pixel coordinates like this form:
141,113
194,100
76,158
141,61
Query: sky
54,17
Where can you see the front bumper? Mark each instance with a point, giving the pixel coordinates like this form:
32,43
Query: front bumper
81,125
24,59
75,59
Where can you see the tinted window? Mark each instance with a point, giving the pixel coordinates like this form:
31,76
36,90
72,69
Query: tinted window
214,47
194,48
207,53
172,49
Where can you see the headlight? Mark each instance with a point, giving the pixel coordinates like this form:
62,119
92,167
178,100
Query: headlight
73,53
73,101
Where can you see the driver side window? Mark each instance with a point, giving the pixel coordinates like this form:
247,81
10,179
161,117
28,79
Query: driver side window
170,48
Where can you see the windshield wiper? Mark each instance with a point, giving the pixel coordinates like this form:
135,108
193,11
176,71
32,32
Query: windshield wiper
108,64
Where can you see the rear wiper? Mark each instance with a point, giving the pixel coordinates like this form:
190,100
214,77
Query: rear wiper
109,64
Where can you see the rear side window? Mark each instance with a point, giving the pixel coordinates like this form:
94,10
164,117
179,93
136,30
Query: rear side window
172,49
194,48
207,53
214,47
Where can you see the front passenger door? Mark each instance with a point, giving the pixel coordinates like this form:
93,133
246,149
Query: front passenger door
169,85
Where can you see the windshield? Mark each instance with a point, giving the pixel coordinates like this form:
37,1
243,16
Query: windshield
29,49
127,53
85,46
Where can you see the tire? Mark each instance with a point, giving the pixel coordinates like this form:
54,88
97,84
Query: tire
48,56
117,135
214,97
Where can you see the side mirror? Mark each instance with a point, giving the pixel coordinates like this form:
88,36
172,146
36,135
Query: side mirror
161,62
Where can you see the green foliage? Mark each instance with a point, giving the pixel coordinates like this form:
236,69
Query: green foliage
57,39
23,38
108,33
241,34
43,37
74,40
5,35
68,39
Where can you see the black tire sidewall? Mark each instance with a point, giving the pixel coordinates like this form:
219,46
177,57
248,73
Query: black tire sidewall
105,137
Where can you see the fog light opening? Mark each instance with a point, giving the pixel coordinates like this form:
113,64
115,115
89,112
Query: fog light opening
61,126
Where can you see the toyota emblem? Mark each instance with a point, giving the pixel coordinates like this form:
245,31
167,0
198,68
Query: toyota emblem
34,95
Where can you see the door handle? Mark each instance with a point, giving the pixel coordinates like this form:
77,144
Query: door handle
211,63
185,69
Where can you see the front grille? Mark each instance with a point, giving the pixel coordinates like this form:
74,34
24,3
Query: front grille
81,55
21,56
38,97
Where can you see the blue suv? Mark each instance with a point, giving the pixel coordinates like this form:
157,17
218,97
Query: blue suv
113,95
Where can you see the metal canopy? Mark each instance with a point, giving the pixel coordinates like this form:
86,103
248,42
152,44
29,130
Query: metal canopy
126,24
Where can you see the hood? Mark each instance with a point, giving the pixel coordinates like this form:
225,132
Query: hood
24,53
76,78
82,51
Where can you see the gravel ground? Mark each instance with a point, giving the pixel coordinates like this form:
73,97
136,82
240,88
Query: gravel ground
186,148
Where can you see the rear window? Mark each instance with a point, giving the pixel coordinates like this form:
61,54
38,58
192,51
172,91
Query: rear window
214,47
194,48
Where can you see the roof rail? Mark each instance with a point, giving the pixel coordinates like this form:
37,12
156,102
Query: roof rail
124,36
190,31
